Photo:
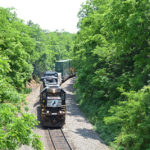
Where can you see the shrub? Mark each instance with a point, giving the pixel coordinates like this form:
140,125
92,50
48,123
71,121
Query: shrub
134,117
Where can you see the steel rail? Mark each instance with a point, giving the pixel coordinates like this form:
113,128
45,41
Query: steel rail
66,139
58,140
51,139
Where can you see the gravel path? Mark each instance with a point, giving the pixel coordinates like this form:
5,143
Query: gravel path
77,129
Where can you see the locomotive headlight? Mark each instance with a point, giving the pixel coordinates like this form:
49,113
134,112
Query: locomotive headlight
53,91
61,112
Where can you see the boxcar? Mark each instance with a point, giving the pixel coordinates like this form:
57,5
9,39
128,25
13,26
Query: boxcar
64,67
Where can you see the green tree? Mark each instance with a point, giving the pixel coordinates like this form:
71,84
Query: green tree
15,69
111,52
133,117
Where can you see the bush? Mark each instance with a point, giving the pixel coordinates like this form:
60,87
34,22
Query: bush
134,117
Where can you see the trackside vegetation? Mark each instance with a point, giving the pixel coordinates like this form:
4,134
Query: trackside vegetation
112,61
25,51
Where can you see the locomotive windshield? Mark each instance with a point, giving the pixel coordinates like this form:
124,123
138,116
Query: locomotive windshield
54,94
52,81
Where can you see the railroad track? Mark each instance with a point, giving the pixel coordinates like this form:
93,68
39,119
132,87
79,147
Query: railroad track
58,140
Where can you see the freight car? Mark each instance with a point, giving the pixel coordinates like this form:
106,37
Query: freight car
65,67
52,99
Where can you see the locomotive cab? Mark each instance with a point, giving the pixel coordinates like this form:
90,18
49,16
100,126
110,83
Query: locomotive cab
53,78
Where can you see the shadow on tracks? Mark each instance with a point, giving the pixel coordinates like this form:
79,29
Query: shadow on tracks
79,117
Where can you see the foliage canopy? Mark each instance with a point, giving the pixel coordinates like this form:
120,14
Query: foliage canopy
111,55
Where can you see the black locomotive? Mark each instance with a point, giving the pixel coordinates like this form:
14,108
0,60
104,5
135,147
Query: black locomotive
52,97
52,100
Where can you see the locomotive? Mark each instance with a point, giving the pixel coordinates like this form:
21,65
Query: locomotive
52,96
52,100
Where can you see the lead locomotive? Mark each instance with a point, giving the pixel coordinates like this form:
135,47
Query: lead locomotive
52,100
53,106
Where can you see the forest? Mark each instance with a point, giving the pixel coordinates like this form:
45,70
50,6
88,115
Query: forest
111,55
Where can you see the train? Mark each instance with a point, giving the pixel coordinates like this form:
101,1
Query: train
52,96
